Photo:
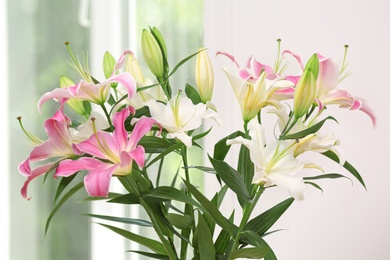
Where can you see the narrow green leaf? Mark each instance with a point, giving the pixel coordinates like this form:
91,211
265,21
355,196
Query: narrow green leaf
221,148
311,130
212,210
65,181
153,245
347,165
161,155
149,255
326,176
180,221
163,193
251,238
192,94
223,238
265,220
231,178
153,144
315,185
202,168
132,221
203,240
129,198
251,253
65,198
182,62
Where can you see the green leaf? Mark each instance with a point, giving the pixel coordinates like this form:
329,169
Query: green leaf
203,240
164,153
315,185
211,209
193,94
182,62
326,176
347,165
153,144
232,178
251,238
150,255
202,168
153,245
129,198
180,221
223,238
65,198
265,220
311,130
221,148
65,181
138,222
246,168
251,253
164,193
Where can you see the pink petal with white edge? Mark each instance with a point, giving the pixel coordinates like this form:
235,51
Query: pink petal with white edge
69,167
120,132
40,170
127,81
296,56
98,143
138,154
97,182
121,61
55,94
230,56
142,127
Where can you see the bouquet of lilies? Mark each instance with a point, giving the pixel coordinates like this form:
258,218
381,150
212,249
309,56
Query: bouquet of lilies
125,125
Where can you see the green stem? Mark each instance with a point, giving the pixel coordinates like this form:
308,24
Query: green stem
246,215
188,208
108,117
131,185
169,247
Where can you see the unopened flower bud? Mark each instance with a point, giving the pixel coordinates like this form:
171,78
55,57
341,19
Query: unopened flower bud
204,75
305,90
152,53
134,69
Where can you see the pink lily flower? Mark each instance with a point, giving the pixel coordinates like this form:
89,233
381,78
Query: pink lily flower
112,154
59,145
327,94
95,93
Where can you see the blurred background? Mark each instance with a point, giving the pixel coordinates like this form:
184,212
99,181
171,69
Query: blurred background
343,222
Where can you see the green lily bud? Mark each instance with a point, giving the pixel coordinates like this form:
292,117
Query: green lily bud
152,53
160,39
80,107
134,69
204,76
305,90
108,67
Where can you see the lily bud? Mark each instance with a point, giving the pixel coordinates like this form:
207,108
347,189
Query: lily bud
204,75
77,105
305,90
134,69
152,53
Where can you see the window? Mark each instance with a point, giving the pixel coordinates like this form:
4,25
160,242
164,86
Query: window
37,30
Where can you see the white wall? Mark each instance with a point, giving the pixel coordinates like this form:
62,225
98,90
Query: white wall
345,222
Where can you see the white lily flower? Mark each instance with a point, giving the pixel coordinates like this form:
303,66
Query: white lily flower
274,163
180,115
313,142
